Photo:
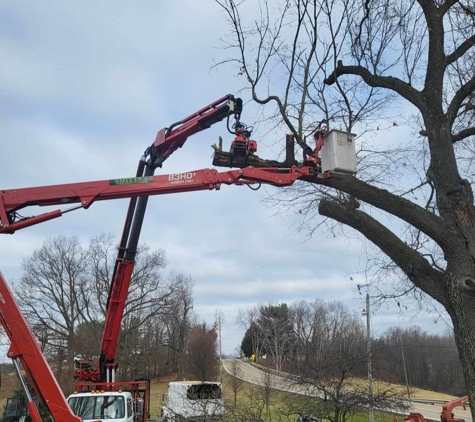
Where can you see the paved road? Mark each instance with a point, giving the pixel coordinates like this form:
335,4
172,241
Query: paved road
253,375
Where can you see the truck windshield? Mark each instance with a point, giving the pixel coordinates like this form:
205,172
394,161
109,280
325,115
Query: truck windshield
98,407
203,392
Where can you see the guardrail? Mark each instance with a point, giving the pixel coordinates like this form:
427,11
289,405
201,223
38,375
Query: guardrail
438,401
430,401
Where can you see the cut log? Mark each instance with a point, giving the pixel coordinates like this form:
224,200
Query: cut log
224,159
289,148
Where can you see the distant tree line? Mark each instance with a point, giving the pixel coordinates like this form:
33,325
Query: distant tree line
326,343
424,360
63,294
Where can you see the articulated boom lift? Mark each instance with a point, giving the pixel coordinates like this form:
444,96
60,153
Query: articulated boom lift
24,347
166,142
100,377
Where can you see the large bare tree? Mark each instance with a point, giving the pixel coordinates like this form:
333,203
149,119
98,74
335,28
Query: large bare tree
413,197
53,293
64,286
276,331
149,295
179,320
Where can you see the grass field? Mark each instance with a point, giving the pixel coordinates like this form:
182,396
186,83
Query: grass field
415,393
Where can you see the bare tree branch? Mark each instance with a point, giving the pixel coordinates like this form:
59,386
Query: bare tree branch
402,88
463,134
415,215
460,50
463,92
419,271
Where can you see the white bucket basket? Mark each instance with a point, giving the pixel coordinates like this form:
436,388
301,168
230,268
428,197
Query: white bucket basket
338,153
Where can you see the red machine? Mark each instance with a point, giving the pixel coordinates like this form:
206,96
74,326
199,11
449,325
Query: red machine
446,415
23,344
311,156
24,348
447,409
242,144
166,142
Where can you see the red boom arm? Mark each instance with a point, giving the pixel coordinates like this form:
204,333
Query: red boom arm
87,193
170,139
448,408
25,349
166,142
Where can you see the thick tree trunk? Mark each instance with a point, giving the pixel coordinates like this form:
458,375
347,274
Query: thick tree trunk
462,313
454,198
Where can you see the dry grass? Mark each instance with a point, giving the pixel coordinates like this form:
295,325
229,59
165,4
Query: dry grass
416,393
10,384
158,387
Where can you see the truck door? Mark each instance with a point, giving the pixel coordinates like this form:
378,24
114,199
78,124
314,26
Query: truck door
130,410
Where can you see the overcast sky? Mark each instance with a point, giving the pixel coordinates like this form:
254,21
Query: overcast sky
85,86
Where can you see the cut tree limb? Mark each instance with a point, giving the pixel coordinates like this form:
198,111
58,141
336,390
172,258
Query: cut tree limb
224,159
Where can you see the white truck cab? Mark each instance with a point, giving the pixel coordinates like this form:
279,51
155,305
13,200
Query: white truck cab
113,406
193,401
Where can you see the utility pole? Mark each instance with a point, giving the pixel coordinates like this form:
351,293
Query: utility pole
368,351
220,352
405,369
219,317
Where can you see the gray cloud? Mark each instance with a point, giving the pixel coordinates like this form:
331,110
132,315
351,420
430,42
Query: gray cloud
84,87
